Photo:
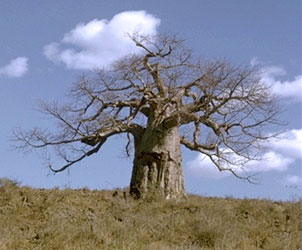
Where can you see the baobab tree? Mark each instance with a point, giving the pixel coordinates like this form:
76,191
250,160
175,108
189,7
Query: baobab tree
162,98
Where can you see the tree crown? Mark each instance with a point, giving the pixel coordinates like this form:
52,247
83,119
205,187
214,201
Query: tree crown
221,110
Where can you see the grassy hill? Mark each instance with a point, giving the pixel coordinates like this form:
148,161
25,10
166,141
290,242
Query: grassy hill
84,219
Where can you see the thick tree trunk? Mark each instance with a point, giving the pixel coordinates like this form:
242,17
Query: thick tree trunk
157,167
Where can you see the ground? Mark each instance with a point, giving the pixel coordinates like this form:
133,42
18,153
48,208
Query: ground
91,219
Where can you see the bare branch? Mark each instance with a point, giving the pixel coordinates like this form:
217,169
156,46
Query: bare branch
71,162
226,109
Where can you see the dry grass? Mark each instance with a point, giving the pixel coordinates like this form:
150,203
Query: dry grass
84,219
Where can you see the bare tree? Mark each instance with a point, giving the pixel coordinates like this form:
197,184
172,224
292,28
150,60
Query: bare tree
162,99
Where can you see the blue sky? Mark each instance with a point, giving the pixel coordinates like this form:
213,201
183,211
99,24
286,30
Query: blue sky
44,47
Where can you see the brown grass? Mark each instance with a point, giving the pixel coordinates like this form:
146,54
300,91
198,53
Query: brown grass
84,219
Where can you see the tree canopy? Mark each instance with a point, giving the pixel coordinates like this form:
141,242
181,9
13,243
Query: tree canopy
220,110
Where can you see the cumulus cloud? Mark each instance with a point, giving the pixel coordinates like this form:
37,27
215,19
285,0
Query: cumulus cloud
289,143
202,166
293,181
98,43
15,68
291,90
284,89
280,154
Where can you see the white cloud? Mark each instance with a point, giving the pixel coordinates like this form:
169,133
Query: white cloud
293,180
202,166
291,90
16,68
98,43
284,89
289,144
280,154
271,161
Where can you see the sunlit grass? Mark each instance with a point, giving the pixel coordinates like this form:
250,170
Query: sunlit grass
85,219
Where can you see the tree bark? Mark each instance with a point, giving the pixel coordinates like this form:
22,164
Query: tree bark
157,167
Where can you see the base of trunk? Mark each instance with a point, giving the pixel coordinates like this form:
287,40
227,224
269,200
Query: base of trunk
157,174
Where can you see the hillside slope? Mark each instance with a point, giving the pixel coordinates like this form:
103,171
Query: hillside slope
84,219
